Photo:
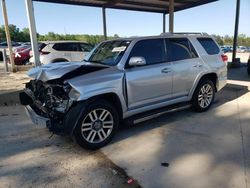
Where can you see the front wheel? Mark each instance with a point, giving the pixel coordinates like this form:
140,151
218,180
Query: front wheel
97,125
203,96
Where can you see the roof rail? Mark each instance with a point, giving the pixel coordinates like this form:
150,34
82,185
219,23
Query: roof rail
184,33
191,33
166,33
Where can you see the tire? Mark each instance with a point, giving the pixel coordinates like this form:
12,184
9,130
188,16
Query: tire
91,131
203,96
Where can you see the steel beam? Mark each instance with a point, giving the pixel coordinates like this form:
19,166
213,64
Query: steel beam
171,16
32,29
236,27
164,23
7,32
104,22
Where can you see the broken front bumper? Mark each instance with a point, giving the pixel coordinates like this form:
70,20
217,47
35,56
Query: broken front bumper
37,119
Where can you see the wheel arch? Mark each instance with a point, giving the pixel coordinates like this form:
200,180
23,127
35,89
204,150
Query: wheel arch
79,107
111,98
211,76
59,60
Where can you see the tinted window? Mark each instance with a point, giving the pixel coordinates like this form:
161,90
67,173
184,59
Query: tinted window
66,46
152,50
180,49
85,47
209,45
41,46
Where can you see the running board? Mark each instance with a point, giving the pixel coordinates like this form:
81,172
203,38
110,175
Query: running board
158,112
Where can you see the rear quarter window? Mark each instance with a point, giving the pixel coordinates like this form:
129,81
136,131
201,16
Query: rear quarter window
209,45
73,47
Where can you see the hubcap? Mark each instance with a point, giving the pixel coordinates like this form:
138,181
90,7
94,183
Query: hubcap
205,96
97,125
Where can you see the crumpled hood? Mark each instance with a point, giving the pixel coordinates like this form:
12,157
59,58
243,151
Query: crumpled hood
65,69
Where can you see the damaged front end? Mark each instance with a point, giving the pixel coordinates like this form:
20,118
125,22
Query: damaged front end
47,104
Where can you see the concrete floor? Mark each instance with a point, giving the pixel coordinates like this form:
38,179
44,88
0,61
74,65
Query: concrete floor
181,149
205,150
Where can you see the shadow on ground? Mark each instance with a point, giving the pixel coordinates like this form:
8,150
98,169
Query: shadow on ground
208,149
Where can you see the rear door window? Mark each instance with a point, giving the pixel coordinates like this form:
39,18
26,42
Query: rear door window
66,46
153,50
180,49
209,45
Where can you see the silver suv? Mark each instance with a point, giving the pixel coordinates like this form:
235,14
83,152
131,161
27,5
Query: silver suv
124,79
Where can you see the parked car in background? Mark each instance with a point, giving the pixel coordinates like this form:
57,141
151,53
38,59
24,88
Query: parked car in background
22,54
248,65
62,51
242,49
131,78
225,49
5,45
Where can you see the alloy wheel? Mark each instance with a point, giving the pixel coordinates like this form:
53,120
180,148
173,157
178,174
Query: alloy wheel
97,125
205,96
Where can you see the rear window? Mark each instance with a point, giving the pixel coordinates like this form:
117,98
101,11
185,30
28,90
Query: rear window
66,46
209,45
180,49
41,46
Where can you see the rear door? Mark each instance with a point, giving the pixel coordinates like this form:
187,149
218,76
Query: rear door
185,65
152,82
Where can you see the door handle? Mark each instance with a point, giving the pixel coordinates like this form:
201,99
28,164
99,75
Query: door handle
165,70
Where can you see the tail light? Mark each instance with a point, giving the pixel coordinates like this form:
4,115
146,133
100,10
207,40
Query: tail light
31,53
224,58
44,53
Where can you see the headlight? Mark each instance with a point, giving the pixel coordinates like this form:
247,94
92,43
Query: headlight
74,94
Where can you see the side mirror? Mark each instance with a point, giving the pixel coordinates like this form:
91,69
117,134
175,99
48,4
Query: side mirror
137,61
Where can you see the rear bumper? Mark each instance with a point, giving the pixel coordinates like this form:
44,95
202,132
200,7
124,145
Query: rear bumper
222,81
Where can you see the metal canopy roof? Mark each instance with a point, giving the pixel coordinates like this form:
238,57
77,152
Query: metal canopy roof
158,6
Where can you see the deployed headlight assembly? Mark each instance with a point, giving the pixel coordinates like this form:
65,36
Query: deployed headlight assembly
74,94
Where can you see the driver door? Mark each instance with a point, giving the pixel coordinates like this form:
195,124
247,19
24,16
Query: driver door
150,83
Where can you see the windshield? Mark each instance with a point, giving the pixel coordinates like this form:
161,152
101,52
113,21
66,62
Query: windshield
109,53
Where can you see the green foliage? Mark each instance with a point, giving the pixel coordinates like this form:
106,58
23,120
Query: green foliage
23,36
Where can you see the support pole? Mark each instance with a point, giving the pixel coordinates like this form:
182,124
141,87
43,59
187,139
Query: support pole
104,22
32,28
5,60
7,32
171,16
236,27
164,23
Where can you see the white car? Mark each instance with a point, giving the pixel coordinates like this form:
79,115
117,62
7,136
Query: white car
241,49
62,51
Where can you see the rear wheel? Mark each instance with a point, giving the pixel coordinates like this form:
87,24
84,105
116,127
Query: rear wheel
97,125
203,95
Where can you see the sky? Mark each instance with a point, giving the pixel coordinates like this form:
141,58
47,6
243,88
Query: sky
214,18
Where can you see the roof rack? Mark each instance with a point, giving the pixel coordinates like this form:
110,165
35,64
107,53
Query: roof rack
185,33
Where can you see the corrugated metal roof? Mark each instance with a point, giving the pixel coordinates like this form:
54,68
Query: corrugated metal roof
160,6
